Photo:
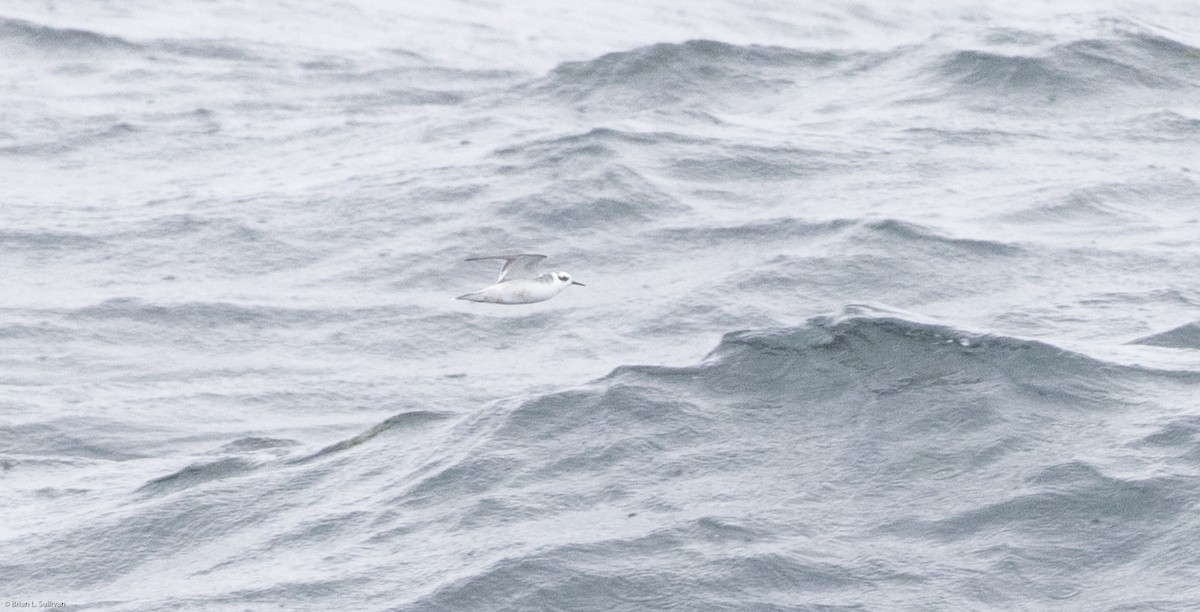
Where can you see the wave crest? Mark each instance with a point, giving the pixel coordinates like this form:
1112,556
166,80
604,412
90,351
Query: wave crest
45,38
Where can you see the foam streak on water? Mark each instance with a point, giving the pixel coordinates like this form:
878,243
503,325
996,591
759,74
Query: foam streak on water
886,308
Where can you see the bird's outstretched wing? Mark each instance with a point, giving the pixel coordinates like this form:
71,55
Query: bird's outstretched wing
516,266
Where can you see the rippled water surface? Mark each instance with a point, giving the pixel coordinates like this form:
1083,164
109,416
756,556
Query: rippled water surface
886,308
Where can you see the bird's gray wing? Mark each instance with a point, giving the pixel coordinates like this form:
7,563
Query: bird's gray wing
516,266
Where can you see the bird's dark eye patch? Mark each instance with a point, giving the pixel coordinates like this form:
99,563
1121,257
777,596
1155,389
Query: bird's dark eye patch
562,277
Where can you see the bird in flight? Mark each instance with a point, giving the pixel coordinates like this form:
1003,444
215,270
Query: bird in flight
520,282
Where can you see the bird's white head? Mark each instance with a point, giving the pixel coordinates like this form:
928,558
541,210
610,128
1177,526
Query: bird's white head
564,279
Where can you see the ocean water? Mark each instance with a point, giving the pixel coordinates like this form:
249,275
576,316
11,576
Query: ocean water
887,307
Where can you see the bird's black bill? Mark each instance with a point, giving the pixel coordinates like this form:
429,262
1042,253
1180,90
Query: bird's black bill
578,283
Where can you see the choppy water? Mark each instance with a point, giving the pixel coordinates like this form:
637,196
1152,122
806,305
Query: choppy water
887,308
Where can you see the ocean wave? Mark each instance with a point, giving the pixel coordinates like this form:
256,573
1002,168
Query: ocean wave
740,162
881,353
783,228
868,403
1184,336
944,378
1075,491
876,233
404,420
198,473
1110,207
385,99
1080,68
607,196
81,439
225,50
596,139
597,145
1164,124
700,72
57,40
205,314
228,244
908,233
724,570
49,241
667,73
702,159
98,132
789,259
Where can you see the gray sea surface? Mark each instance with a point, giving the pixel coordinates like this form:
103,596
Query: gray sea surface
889,306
